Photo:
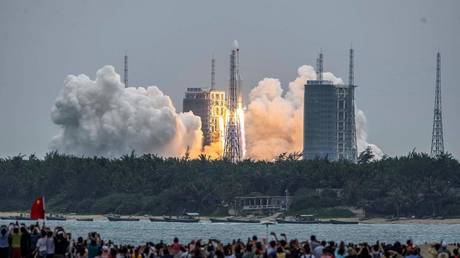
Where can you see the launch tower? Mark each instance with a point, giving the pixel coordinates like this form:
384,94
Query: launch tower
233,148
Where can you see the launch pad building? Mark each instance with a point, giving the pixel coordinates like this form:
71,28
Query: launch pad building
329,117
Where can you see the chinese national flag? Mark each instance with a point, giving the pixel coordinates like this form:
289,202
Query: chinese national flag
38,208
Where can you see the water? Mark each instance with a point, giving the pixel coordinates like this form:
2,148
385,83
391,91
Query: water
138,232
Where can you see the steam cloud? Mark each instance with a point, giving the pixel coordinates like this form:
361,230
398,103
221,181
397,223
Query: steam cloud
274,121
102,117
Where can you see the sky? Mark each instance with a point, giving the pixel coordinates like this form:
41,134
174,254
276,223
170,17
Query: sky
170,44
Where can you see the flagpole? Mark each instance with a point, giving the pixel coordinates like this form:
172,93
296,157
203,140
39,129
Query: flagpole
44,210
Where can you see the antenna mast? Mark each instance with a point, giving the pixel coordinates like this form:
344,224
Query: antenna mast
125,75
351,72
319,67
213,73
437,138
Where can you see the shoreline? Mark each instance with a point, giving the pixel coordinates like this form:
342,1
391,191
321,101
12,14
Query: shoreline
72,216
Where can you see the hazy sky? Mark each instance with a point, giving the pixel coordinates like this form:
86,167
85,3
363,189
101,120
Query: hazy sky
170,44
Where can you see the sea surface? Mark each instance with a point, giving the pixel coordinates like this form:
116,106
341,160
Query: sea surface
139,232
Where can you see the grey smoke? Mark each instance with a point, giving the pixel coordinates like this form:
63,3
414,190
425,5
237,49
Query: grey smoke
102,117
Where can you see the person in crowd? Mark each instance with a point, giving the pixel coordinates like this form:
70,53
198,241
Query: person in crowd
92,247
306,251
50,247
340,252
26,243
41,247
248,252
318,250
314,242
444,251
60,244
4,241
15,242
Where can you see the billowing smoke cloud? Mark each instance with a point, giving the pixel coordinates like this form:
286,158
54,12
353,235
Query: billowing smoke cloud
102,117
361,135
274,121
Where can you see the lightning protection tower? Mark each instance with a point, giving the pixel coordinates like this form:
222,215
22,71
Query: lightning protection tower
437,138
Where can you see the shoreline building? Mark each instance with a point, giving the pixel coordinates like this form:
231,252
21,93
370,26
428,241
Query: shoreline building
329,117
209,104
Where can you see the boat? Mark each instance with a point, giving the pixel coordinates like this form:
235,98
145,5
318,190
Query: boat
55,217
20,217
85,219
288,221
181,219
341,222
218,220
242,220
156,219
300,219
189,217
120,218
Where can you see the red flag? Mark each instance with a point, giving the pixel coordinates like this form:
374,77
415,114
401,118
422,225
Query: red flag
38,208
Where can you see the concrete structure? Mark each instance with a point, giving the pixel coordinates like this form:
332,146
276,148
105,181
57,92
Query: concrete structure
218,111
198,101
329,118
261,204
210,106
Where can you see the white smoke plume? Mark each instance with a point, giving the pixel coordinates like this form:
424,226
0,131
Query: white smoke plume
104,118
361,136
274,121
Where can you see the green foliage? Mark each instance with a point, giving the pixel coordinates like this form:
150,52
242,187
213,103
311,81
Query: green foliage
411,185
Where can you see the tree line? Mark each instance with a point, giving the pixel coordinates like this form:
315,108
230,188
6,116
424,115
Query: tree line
411,185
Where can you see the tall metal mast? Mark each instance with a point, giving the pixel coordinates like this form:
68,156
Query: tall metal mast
233,149
437,138
213,73
351,72
319,67
351,85
125,74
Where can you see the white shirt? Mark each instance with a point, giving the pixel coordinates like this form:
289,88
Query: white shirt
41,244
318,251
50,245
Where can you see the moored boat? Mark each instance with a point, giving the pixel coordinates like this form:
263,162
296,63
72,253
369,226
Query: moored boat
156,219
181,219
341,222
299,219
243,220
55,217
218,220
85,219
120,218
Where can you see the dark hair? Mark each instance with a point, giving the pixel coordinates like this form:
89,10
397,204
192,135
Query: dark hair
341,249
306,248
